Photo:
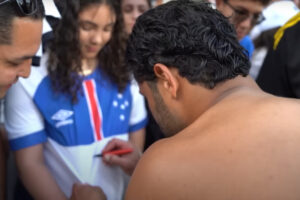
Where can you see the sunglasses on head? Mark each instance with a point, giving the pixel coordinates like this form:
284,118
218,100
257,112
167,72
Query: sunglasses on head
24,7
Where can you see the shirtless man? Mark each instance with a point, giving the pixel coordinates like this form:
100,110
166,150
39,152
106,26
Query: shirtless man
229,139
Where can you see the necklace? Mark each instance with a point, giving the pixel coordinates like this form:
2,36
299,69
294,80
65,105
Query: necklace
88,66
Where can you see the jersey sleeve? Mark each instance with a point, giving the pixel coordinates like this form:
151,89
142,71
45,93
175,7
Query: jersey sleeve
138,116
23,122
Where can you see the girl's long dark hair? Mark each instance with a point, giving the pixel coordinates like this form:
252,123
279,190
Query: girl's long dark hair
64,64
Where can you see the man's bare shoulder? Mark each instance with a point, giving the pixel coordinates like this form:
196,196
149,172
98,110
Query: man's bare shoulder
254,111
157,175
276,110
147,179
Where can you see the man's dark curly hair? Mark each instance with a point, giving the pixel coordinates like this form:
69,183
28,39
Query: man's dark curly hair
64,63
190,36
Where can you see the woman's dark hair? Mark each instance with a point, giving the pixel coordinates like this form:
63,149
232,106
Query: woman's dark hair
64,63
121,42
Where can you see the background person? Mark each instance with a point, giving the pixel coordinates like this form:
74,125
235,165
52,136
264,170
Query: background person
17,18
77,101
276,14
243,14
16,189
280,72
131,10
297,2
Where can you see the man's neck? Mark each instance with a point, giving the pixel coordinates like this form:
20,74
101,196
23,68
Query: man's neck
199,99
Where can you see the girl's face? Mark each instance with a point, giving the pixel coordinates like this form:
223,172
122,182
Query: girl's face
131,10
96,23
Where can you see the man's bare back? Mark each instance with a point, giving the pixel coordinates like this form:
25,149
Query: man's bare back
246,146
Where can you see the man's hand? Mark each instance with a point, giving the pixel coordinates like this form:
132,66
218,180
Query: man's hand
87,192
127,161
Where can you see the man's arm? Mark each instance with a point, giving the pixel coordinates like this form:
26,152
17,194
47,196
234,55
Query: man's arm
85,191
22,120
35,175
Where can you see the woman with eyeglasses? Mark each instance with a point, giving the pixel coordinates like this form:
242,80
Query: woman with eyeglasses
243,14
74,104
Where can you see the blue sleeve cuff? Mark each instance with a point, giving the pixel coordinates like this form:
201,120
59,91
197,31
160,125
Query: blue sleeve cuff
139,125
27,141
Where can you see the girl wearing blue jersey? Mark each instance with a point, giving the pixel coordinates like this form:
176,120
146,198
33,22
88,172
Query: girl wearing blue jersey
80,98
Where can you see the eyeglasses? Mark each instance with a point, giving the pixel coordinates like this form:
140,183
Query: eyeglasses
24,7
241,15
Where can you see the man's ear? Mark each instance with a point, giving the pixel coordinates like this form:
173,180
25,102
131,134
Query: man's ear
167,78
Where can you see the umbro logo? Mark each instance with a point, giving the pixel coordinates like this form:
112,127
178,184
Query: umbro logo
62,117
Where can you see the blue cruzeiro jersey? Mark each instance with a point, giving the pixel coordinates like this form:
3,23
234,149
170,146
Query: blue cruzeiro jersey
86,121
74,132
